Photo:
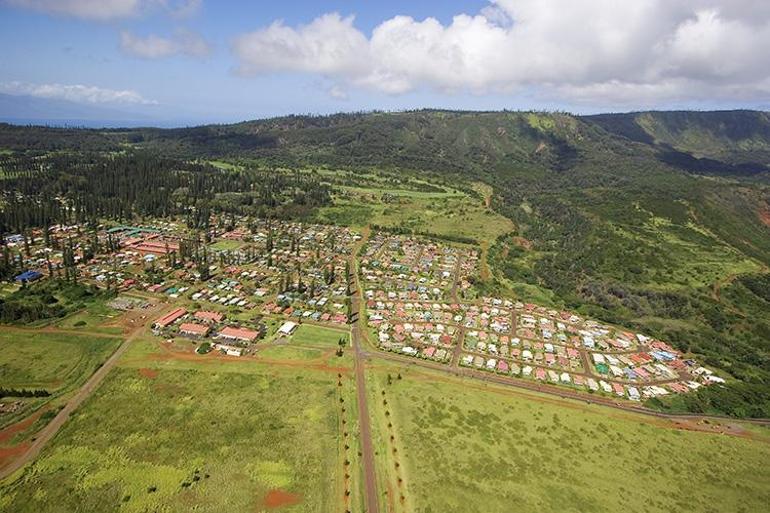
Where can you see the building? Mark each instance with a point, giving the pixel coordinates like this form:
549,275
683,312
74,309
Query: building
28,276
209,317
239,334
170,318
287,328
193,329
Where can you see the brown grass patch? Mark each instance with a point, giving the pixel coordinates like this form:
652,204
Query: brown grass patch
148,373
764,215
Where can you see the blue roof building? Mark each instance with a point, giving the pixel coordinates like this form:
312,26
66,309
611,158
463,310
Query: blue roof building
28,276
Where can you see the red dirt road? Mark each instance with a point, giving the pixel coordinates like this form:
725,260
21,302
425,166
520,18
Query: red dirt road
371,499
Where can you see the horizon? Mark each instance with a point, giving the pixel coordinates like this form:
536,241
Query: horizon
136,125
192,62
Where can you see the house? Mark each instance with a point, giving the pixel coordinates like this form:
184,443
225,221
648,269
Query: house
192,329
28,276
208,317
170,318
287,328
240,334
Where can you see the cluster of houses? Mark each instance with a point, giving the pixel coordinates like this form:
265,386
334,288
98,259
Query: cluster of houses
233,339
563,348
413,308
418,293
416,269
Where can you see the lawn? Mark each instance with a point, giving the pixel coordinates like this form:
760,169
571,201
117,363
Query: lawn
318,336
463,446
287,352
176,439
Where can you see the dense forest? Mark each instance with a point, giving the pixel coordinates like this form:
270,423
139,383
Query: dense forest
656,221
42,190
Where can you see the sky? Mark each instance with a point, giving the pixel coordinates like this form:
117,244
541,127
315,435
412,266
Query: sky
195,61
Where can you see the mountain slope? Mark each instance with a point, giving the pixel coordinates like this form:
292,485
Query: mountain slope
734,137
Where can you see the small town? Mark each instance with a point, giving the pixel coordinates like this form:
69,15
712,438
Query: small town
256,282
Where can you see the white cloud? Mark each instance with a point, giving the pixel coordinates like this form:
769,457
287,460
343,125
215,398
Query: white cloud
75,93
328,45
105,10
182,42
338,93
578,49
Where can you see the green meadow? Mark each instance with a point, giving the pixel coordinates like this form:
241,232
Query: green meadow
55,362
460,446
180,435
449,214
49,360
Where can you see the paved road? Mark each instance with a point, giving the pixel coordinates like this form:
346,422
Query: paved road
50,430
371,499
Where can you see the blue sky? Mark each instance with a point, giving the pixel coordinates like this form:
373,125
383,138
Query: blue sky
200,60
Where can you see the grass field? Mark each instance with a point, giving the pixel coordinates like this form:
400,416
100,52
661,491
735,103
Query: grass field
466,448
49,360
227,245
55,362
92,318
319,336
288,352
448,214
181,434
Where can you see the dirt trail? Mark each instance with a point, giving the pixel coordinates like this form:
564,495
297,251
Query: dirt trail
50,430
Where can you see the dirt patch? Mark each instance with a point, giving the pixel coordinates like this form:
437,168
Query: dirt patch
9,454
280,499
11,431
148,373
764,215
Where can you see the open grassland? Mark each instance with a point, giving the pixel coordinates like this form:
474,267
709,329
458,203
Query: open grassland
179,434
451,214
56,362
453,446
49,360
